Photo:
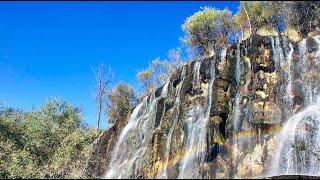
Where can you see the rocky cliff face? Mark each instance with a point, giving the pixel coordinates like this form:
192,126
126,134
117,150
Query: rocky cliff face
217,117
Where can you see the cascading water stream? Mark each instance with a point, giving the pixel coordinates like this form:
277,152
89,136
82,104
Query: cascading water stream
317,39
279,51
289,85
118,157
163,173
194,158
236,108
299,143
165,89
238,65
196,74
278,57
304,64
192,118
134,138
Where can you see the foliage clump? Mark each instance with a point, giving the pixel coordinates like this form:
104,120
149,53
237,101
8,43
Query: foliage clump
208,29
120,101
49,142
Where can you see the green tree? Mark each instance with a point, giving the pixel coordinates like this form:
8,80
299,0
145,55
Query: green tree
278,15
302,15
33,143
120,101
208,29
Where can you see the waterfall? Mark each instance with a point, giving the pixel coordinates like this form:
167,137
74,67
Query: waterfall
278,57
317,39
279,52
212,76
165,89
236,108
134,138
196,73
289,84
238,65
236,113
193,161
118,156
223,55
304,65
164,173
299,143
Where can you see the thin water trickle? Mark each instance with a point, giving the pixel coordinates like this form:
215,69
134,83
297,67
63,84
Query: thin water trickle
165,89
304,66
317,39
196,74
238,65
289,85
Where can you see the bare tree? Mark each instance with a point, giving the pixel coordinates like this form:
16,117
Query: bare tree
175,57
102,82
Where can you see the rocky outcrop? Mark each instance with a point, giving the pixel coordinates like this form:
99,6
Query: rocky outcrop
218,118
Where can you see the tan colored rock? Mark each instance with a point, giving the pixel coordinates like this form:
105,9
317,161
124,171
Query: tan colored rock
223,68
264,59
261,94
258,107
272,112
223,170
258,117
252,164
270,149
271,78
267,31
261,75
215,120
292,34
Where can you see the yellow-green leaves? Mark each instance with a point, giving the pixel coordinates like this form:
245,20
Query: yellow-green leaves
158,72
303,16
120,100
208,29
49,142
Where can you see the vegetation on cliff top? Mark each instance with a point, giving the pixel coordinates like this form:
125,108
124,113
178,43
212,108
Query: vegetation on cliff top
210,29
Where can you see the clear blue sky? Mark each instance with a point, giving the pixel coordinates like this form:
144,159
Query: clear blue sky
48,48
